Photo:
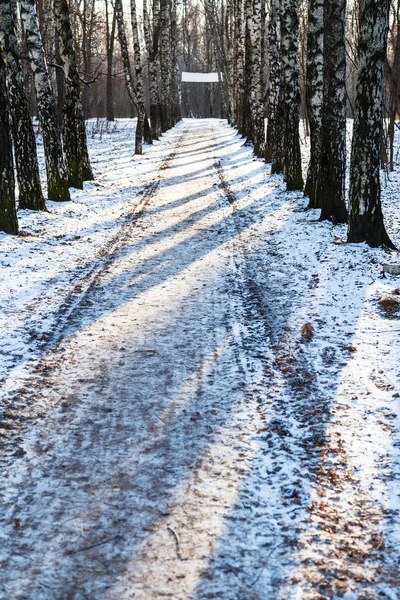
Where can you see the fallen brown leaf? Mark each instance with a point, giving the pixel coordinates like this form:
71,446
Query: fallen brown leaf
307,331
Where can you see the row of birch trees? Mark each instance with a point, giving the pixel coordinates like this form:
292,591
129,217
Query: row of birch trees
254,41
65,143
66,155
160,47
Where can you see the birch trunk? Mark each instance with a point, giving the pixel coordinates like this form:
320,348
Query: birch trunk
230,67
57,181
110,38
125,52
74,130
175,82
219,53
139,81
30,190
274,131
278,148
330,189
127,69
394,87
152,45
8,214
290,69
366,219
239,53
165,65
315,91
253,25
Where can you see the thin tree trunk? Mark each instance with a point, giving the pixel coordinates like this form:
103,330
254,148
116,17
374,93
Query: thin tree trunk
57,181
394,88
315,92
110,54
30,190
230,69
139,81
74,130
366,219
8,214
165,64
330,189
253,24
273,126
125,52
127,70
239,50
290,68
219,53
152,45
175,83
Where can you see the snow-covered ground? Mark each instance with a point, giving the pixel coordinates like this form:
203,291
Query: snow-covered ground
56,251
170,427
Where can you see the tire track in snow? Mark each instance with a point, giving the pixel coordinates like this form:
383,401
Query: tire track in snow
175,456
19,410
187,422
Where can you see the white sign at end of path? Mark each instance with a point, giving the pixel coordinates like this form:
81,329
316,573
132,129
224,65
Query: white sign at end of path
200,77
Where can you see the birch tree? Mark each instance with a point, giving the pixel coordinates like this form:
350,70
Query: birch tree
230,67
330,189
315,90
274,58
30,190
254,93
8,215
57,181
239,58
152,37
139,81
366,220
165,64
218,44
290,69
125,51
127,69
175,74
394,83
74,130
110,39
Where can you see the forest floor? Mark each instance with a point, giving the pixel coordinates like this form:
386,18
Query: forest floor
169,427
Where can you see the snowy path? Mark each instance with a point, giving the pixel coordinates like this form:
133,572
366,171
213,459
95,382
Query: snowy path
192,444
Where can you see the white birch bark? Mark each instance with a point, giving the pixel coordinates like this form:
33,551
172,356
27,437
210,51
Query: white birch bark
274,150
165,64
139,81
8,214
230,67
366,219
175,79
74,130
152,45
239,57
57,181
127,69
30,190
125,52
253,47
315,90
330,189
290,70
